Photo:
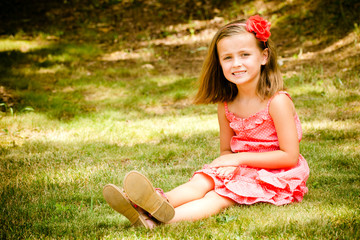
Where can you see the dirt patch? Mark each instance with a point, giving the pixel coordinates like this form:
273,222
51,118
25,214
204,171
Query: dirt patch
8,98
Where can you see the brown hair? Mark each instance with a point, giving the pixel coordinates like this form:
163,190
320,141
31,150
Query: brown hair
214,87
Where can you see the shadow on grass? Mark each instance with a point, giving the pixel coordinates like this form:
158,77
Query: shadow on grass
102,18
31,76
66,80
326,21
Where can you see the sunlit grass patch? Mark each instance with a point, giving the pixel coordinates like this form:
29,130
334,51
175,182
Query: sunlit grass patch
332,130
322,99
22,45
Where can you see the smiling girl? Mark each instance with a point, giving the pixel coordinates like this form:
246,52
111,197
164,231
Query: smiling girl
259,137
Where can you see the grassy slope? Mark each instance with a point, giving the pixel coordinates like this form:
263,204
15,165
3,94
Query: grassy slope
101,110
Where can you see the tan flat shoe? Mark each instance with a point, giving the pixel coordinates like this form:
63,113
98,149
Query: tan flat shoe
141,192
117,200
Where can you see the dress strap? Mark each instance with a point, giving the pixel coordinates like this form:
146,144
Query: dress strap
280,92
226,108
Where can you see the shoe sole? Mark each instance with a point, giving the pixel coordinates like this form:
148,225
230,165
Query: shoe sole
119,202
142,193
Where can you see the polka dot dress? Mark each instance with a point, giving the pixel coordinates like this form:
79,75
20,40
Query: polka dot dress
249,185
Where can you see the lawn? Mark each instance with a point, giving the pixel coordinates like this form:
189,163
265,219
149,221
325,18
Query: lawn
80,115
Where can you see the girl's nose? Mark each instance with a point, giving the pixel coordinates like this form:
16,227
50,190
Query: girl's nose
237,62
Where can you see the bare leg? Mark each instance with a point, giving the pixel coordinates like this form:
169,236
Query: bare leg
196,188
210,204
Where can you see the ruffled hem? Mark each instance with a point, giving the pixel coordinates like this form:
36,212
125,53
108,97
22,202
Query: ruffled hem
250,185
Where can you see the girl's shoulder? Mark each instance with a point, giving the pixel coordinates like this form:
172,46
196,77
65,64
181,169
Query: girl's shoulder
280,101
280,94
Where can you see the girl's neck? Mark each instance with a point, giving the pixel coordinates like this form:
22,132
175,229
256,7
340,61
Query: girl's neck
246,93
245,105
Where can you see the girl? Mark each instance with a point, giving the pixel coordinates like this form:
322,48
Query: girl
259,137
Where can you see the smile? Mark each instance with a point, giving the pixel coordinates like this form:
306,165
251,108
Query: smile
238,73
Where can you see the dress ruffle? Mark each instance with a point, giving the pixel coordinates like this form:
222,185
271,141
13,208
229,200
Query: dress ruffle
251,185
247,123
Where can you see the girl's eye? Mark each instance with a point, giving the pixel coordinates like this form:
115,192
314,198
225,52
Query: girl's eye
245,54
227,58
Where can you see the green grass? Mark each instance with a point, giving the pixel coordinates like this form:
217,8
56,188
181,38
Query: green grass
81,121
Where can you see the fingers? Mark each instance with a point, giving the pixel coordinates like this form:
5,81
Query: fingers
225,171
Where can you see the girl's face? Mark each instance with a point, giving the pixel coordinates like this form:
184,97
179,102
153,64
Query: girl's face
241,58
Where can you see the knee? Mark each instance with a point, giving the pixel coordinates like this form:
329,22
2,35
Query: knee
203,181
223,202
212,195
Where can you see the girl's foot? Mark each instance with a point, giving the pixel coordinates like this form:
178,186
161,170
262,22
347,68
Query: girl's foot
117,200
150,221
141,192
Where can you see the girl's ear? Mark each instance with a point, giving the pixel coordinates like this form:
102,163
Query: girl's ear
265,56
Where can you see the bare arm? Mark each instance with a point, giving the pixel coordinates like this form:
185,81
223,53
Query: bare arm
282,112
225,131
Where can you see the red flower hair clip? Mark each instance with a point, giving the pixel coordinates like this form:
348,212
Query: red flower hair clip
260,27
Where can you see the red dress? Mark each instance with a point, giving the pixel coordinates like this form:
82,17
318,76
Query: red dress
248,185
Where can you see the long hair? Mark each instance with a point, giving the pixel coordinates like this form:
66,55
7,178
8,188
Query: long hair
214,87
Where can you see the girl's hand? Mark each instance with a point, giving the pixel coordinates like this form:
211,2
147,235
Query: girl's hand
224,172
227,160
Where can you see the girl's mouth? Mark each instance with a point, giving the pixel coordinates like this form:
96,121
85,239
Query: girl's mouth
238,73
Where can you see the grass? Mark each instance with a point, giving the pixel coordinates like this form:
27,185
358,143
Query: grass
80,116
